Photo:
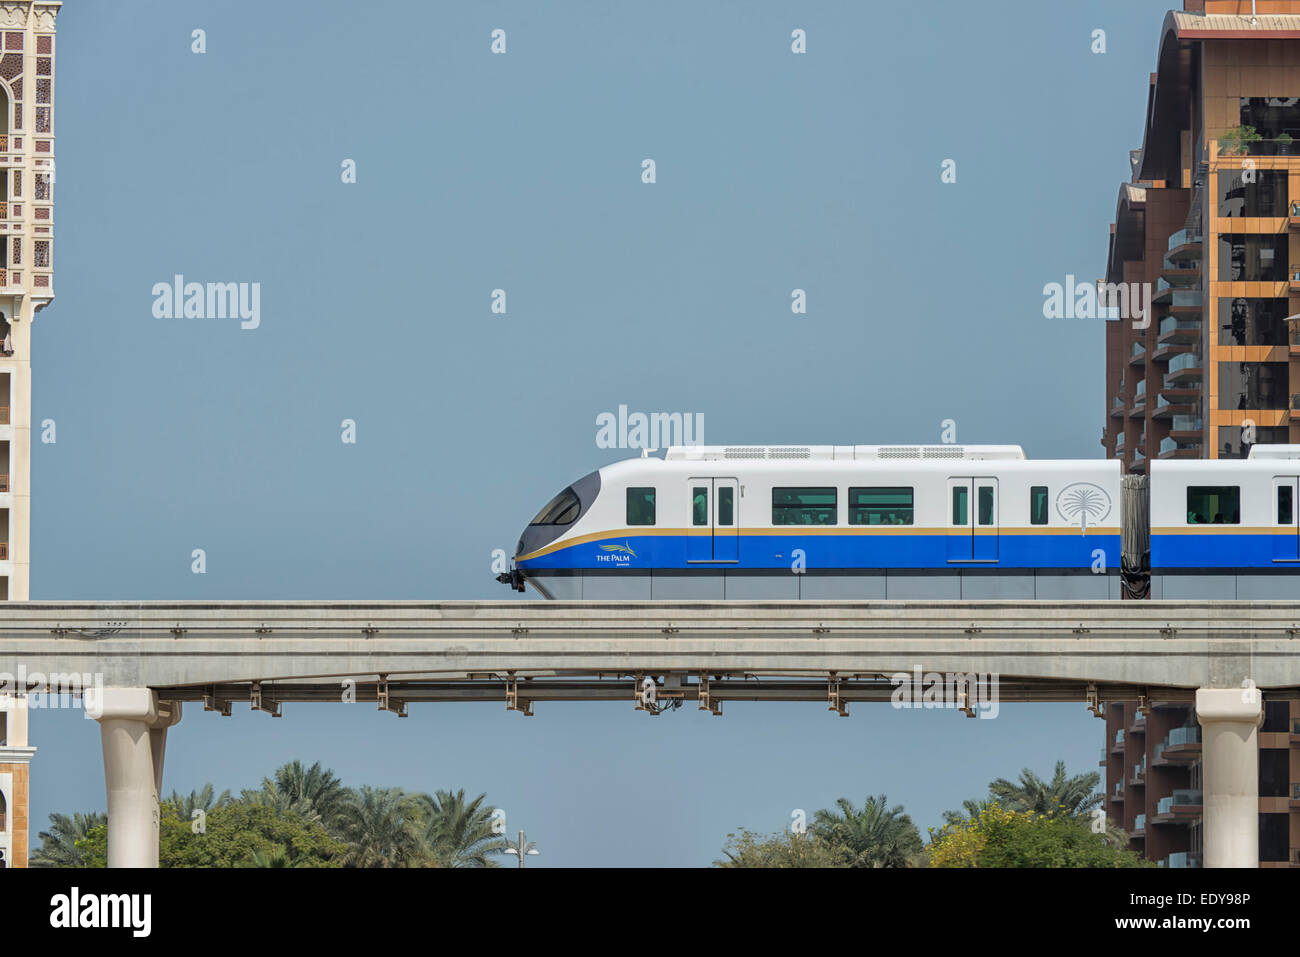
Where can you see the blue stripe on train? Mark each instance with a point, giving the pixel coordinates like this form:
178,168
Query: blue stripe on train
835,551
1223,550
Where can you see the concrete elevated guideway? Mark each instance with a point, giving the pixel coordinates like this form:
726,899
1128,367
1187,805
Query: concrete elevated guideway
153,656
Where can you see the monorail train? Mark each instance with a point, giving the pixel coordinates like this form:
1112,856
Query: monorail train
916,522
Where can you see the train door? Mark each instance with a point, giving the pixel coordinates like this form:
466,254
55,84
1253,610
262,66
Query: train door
1286,518
973,519
714,505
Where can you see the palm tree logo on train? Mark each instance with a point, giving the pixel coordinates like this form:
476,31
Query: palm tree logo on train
625,547
1083,502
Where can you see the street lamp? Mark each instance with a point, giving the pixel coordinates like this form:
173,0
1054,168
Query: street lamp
521,848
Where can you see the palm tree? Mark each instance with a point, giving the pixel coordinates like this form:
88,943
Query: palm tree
204,799
459,834
381,827
970,809
878,835
1070,795
274,856
315,793
59,844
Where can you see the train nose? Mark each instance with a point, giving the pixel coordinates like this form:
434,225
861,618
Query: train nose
555,518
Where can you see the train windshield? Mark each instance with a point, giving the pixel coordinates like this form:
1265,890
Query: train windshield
561,510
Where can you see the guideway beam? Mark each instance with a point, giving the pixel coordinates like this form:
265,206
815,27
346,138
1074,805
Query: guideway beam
133,726
1230,720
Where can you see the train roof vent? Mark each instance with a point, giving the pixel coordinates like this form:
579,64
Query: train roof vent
1274,452
940,451
752,452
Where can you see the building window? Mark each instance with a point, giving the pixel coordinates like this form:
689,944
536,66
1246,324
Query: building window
1231,445
1277,715
1266,195
41,252
1213,505
1252,258
1252,322
1038,505
1271,115
640,506
804,506
1253,385
880,506
1274,833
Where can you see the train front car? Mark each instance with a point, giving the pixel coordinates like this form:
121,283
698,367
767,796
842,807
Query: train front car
828,522
1227,528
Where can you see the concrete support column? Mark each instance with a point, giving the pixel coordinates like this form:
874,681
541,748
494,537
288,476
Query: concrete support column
133,725
1230,720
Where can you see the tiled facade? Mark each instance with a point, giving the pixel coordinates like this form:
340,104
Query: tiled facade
27,176
1211,219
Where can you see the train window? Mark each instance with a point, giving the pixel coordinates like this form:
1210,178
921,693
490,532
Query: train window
640,506
880,506
803,506
1285,515
561,510
986,505
726,505
1038,505
960,504
699,505
1213,505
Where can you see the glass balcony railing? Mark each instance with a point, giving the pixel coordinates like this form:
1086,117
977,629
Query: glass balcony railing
1140,822
1186,298
1138,456
1117,403
1270,147
1185,360
1187,423
1180,323
1119,788
1140,391
1180,798
1161,402
1119,441
1119,736
1138,350
1180,736
1183,859
1183,237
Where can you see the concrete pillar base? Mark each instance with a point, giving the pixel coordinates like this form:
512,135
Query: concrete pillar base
1230,720
133,725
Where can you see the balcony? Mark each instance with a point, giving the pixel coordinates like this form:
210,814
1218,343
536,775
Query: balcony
1139,723
1229,147
1139,826
1186,302
1102,762
1139,773
1119,442
1178,329
1183,801
1118,746
1184,246
1183,369
1180,273
1139,460
1185,446
1138,355
1182,859
1118,793
1117,408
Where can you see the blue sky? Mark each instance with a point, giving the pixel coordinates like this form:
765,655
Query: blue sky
522,172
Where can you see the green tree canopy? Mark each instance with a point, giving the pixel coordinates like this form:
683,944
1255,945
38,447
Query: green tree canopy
877,835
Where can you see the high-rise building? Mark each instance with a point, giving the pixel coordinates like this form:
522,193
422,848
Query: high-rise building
1209,223
27,178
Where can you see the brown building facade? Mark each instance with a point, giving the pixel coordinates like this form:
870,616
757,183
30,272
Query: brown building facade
1209,226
